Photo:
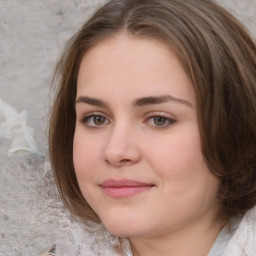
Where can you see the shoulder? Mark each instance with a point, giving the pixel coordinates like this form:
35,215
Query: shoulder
243,241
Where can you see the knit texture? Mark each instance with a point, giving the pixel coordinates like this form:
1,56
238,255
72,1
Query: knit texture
243,242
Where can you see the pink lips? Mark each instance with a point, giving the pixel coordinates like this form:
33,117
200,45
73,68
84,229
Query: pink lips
124,188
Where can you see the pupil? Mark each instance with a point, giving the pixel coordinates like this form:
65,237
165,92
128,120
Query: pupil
99,120
159,120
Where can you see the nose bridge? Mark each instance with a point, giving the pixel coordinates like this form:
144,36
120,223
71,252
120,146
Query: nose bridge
121,146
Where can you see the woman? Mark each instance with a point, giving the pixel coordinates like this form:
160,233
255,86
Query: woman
152,131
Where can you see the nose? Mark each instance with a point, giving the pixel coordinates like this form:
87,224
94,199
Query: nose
122,147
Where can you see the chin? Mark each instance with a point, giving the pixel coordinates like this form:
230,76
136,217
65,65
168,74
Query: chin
123,227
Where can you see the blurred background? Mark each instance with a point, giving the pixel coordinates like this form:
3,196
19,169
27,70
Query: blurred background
32,36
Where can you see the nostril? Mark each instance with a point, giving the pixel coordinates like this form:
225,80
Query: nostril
118,162
118,154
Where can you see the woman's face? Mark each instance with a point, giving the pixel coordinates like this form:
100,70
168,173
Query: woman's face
137,154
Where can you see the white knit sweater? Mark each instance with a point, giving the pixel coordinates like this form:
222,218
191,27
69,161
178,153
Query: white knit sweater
243,242
101,243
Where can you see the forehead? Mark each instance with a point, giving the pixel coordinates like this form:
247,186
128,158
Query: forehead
123,64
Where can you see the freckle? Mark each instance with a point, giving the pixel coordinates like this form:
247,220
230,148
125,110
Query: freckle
2,235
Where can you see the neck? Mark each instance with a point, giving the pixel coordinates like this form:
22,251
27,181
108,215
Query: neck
195,240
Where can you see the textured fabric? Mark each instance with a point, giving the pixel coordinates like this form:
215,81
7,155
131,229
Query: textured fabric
15,128
243,242
234,241
223,239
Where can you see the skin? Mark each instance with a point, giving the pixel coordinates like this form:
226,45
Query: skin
115,138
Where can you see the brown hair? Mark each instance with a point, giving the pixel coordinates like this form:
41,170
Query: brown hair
220,58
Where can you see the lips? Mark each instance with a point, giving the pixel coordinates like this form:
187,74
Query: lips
124,188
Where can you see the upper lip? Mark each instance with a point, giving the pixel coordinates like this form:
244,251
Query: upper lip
124,183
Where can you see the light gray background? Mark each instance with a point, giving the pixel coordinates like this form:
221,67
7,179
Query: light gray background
32,35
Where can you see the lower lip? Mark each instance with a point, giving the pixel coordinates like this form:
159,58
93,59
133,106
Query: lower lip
122,192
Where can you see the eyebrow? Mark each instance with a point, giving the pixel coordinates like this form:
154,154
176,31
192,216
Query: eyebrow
140,102
92,101
160,99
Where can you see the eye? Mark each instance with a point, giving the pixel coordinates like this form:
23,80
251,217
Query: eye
95,121
160,121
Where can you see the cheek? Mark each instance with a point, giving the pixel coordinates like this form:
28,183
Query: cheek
185,179
179,159
85,156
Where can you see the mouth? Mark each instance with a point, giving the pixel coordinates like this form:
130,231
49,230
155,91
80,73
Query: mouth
124,187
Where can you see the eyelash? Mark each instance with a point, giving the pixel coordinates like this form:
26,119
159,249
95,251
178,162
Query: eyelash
151,117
